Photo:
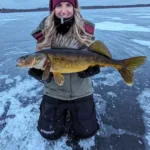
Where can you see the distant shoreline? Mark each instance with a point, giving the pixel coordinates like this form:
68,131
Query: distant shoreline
6,10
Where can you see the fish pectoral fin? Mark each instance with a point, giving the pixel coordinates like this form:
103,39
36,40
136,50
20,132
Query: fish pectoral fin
46,72
59,78
100,48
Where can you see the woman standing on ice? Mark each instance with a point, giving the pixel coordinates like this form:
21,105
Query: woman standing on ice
65,28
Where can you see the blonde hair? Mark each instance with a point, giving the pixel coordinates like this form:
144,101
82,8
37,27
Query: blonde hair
77,31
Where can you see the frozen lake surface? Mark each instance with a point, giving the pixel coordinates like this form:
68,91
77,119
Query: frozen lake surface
123,112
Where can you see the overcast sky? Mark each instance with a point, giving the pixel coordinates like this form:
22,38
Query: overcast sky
44,3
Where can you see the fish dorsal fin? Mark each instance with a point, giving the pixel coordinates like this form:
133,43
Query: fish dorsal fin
100,47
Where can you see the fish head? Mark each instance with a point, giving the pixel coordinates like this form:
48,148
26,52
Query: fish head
36,60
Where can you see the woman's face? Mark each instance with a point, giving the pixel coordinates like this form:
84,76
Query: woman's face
64,10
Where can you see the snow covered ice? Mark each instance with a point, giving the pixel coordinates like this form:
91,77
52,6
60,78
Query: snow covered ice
123,112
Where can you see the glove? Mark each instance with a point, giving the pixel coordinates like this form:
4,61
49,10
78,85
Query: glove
37,74
89,72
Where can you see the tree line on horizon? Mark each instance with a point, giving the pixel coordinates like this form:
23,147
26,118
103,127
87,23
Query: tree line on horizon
7,10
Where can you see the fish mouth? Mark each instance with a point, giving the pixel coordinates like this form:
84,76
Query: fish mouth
22,62
18,65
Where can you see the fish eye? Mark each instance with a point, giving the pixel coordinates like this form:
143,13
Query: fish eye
24,57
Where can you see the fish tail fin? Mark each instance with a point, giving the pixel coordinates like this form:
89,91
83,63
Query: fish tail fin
129,66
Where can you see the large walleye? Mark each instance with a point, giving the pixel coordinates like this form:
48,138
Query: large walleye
60,61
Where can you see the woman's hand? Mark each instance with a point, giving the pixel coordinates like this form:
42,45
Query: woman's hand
89,72
37,74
